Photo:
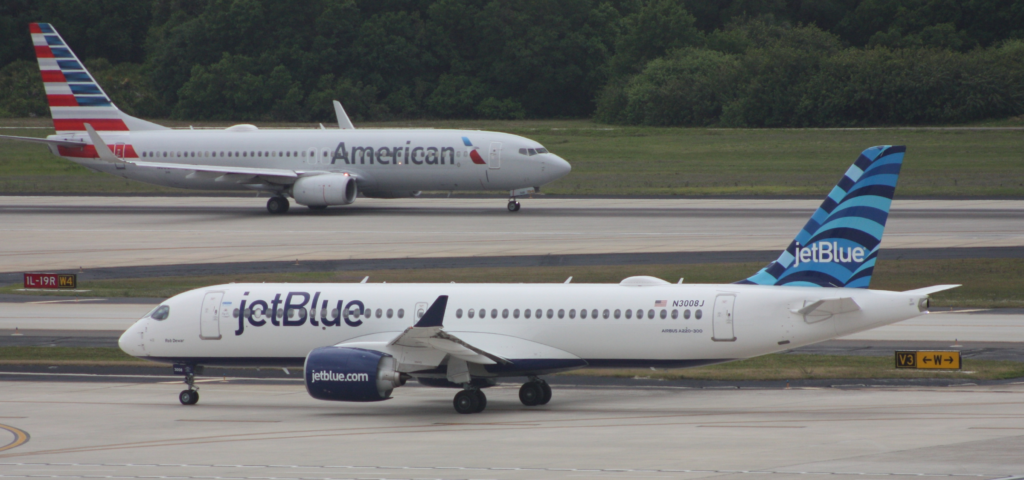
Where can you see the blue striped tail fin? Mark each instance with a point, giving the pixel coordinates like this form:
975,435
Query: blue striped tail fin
839,244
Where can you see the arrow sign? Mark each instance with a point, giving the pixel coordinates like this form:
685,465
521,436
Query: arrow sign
942,359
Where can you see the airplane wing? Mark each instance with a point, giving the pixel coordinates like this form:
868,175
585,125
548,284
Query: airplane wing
279,175
428,333
425,346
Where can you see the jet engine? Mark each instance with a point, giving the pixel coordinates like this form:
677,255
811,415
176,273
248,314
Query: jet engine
351,374
324,190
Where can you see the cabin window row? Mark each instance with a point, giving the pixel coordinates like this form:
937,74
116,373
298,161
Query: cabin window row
650,314
177,154
300,312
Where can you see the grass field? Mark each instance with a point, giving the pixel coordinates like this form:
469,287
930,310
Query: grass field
769,367
986,283
614,160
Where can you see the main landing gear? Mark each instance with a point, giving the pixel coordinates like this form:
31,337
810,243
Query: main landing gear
535,392
470,400
277,205
190,396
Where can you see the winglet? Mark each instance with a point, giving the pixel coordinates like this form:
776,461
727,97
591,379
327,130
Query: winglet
932,289
435,314
343,122
101,147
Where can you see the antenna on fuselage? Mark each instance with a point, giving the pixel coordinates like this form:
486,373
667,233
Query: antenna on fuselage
568,279
343,122
365,279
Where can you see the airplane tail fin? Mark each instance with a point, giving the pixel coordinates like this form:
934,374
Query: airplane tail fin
839,244
72,93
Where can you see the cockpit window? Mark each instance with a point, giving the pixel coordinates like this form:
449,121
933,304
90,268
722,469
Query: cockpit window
542,150
533,152
160,313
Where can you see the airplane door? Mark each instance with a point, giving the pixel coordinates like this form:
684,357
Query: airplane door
494,161
723,319
209,317
119,153
421,308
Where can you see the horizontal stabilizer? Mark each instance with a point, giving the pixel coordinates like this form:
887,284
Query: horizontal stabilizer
46,141
932,289
818,310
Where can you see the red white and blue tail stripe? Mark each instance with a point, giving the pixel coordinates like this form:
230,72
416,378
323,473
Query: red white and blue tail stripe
72,93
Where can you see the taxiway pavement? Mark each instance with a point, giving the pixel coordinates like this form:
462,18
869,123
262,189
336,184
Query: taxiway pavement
131,430
61,233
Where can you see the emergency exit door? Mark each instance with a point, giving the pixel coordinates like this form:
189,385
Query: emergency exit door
209,317
723,328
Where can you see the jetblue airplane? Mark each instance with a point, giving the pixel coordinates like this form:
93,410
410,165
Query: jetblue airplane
358,342
316,167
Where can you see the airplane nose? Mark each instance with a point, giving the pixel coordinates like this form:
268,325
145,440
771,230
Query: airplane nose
558,167
129,340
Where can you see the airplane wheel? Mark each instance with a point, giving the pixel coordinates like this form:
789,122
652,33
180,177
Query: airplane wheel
531,394
513,206
277,205
547,393
518,206
466,401
482,400
188,397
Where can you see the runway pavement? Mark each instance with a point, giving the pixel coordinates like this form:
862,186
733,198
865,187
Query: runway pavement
60,233
239,431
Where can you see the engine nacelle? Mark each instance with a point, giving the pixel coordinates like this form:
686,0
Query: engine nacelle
351,374
326,189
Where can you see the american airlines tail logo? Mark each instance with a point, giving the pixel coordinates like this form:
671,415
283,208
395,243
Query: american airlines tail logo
327,376
828,252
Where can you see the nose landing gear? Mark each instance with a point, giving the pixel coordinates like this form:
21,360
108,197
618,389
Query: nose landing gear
513,205
191,395
470,400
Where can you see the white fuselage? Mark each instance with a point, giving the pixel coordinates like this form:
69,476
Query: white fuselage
698,324
383,161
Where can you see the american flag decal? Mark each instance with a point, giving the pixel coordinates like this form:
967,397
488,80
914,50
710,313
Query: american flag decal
661,303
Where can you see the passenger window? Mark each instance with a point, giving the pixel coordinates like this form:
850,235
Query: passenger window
663,314
458,313
494,313
593,314
470,313
650,314
686,314
527,312
504,313
390,312
675,314
561,313
515,313
539,313
379,313
160,313
551,313
618,313
572,313
629,314
639,314
697,314
605,313
583,313
401,313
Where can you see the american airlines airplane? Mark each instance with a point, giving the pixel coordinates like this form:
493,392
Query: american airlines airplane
358,342
317,168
